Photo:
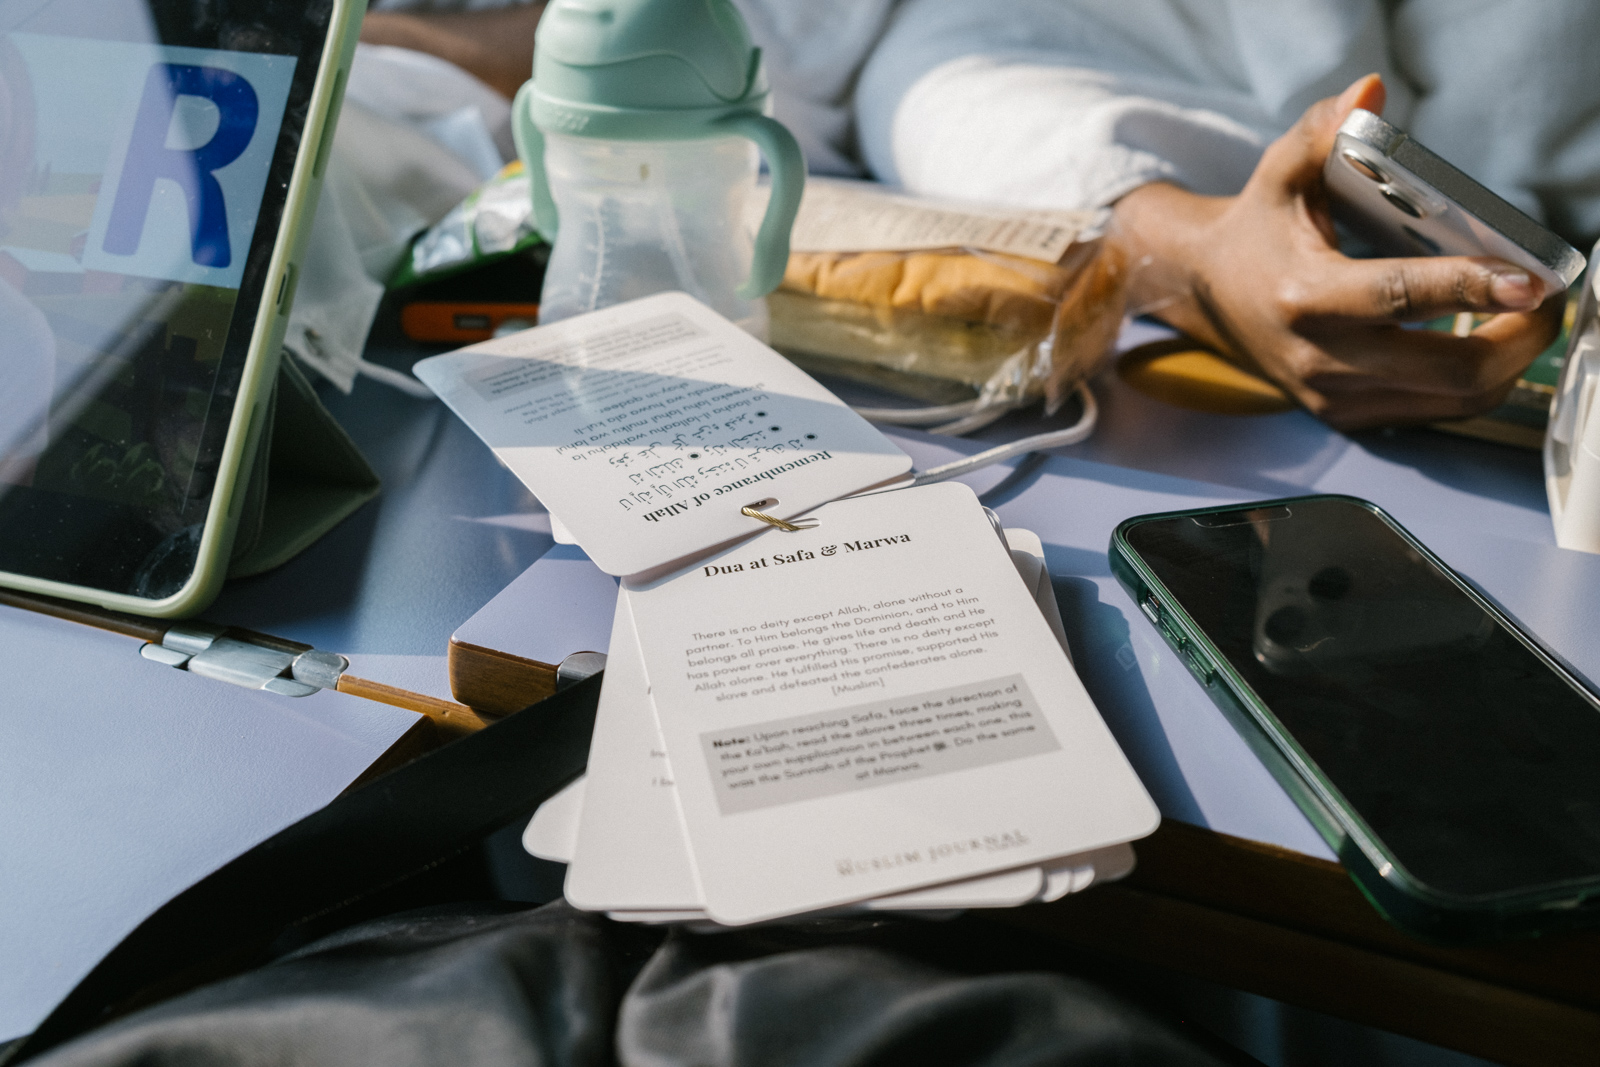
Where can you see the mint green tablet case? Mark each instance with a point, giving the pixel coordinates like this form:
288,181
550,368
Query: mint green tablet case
288,472
296,473
306,477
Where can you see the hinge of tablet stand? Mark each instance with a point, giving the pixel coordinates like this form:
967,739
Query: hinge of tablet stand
228,656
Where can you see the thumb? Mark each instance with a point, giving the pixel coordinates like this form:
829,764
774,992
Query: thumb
1295,160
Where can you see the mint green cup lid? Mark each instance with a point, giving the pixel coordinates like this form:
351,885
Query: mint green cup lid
643,69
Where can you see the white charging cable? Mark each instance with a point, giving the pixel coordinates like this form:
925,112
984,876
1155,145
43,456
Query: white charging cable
958,419
394,379
1077,432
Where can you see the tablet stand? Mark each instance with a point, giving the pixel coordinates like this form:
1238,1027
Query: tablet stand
307,476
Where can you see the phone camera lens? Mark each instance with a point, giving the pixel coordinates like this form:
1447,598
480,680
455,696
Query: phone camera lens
1330,583
1400,202
1366,168
1285,624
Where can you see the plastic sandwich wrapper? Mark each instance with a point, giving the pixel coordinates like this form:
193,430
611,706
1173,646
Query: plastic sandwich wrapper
493,222
953,304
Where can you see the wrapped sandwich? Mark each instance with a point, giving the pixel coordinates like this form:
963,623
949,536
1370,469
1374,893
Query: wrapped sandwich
976,304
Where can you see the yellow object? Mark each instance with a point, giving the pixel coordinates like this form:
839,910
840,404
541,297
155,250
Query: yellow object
1177,373
1009,292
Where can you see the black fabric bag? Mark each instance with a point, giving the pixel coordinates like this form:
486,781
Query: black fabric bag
485,986
488,984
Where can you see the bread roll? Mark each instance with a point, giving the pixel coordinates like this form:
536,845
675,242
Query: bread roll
977,318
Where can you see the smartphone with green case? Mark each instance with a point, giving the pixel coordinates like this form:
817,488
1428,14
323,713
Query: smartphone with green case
1446,756
160,162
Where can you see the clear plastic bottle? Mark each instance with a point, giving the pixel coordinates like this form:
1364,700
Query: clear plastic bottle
640,131
642,217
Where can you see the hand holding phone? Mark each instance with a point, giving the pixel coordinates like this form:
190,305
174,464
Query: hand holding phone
1260,277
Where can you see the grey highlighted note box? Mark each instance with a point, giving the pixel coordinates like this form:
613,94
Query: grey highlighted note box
869,745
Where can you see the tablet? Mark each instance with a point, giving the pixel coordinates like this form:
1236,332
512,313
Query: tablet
159,163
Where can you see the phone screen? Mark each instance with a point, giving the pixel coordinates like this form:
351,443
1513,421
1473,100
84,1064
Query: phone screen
145,154
1472,759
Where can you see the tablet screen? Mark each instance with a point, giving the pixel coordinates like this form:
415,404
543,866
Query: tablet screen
145,154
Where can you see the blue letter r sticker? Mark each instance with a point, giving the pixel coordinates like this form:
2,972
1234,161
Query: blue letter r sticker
193,169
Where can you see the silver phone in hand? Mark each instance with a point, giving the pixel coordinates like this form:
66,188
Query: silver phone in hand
1406,201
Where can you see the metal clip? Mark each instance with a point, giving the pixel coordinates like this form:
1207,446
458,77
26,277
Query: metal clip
782,524
578,666
211,652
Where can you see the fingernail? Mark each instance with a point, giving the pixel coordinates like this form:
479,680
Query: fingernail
1515,289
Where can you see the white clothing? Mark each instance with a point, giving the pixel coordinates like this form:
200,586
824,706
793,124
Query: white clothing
814,51
1071,103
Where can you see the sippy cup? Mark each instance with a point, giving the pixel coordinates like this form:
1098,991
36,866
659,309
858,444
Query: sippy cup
639,131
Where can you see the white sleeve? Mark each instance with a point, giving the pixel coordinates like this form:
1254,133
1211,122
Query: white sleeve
1064,103
1510,93
1041,135
813,51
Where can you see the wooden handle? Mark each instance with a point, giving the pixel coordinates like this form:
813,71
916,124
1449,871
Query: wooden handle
454,719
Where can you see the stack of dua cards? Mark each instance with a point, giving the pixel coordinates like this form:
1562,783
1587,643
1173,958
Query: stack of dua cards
648,426
865,709
871,713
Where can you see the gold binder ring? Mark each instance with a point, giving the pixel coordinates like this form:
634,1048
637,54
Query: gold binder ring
782,524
